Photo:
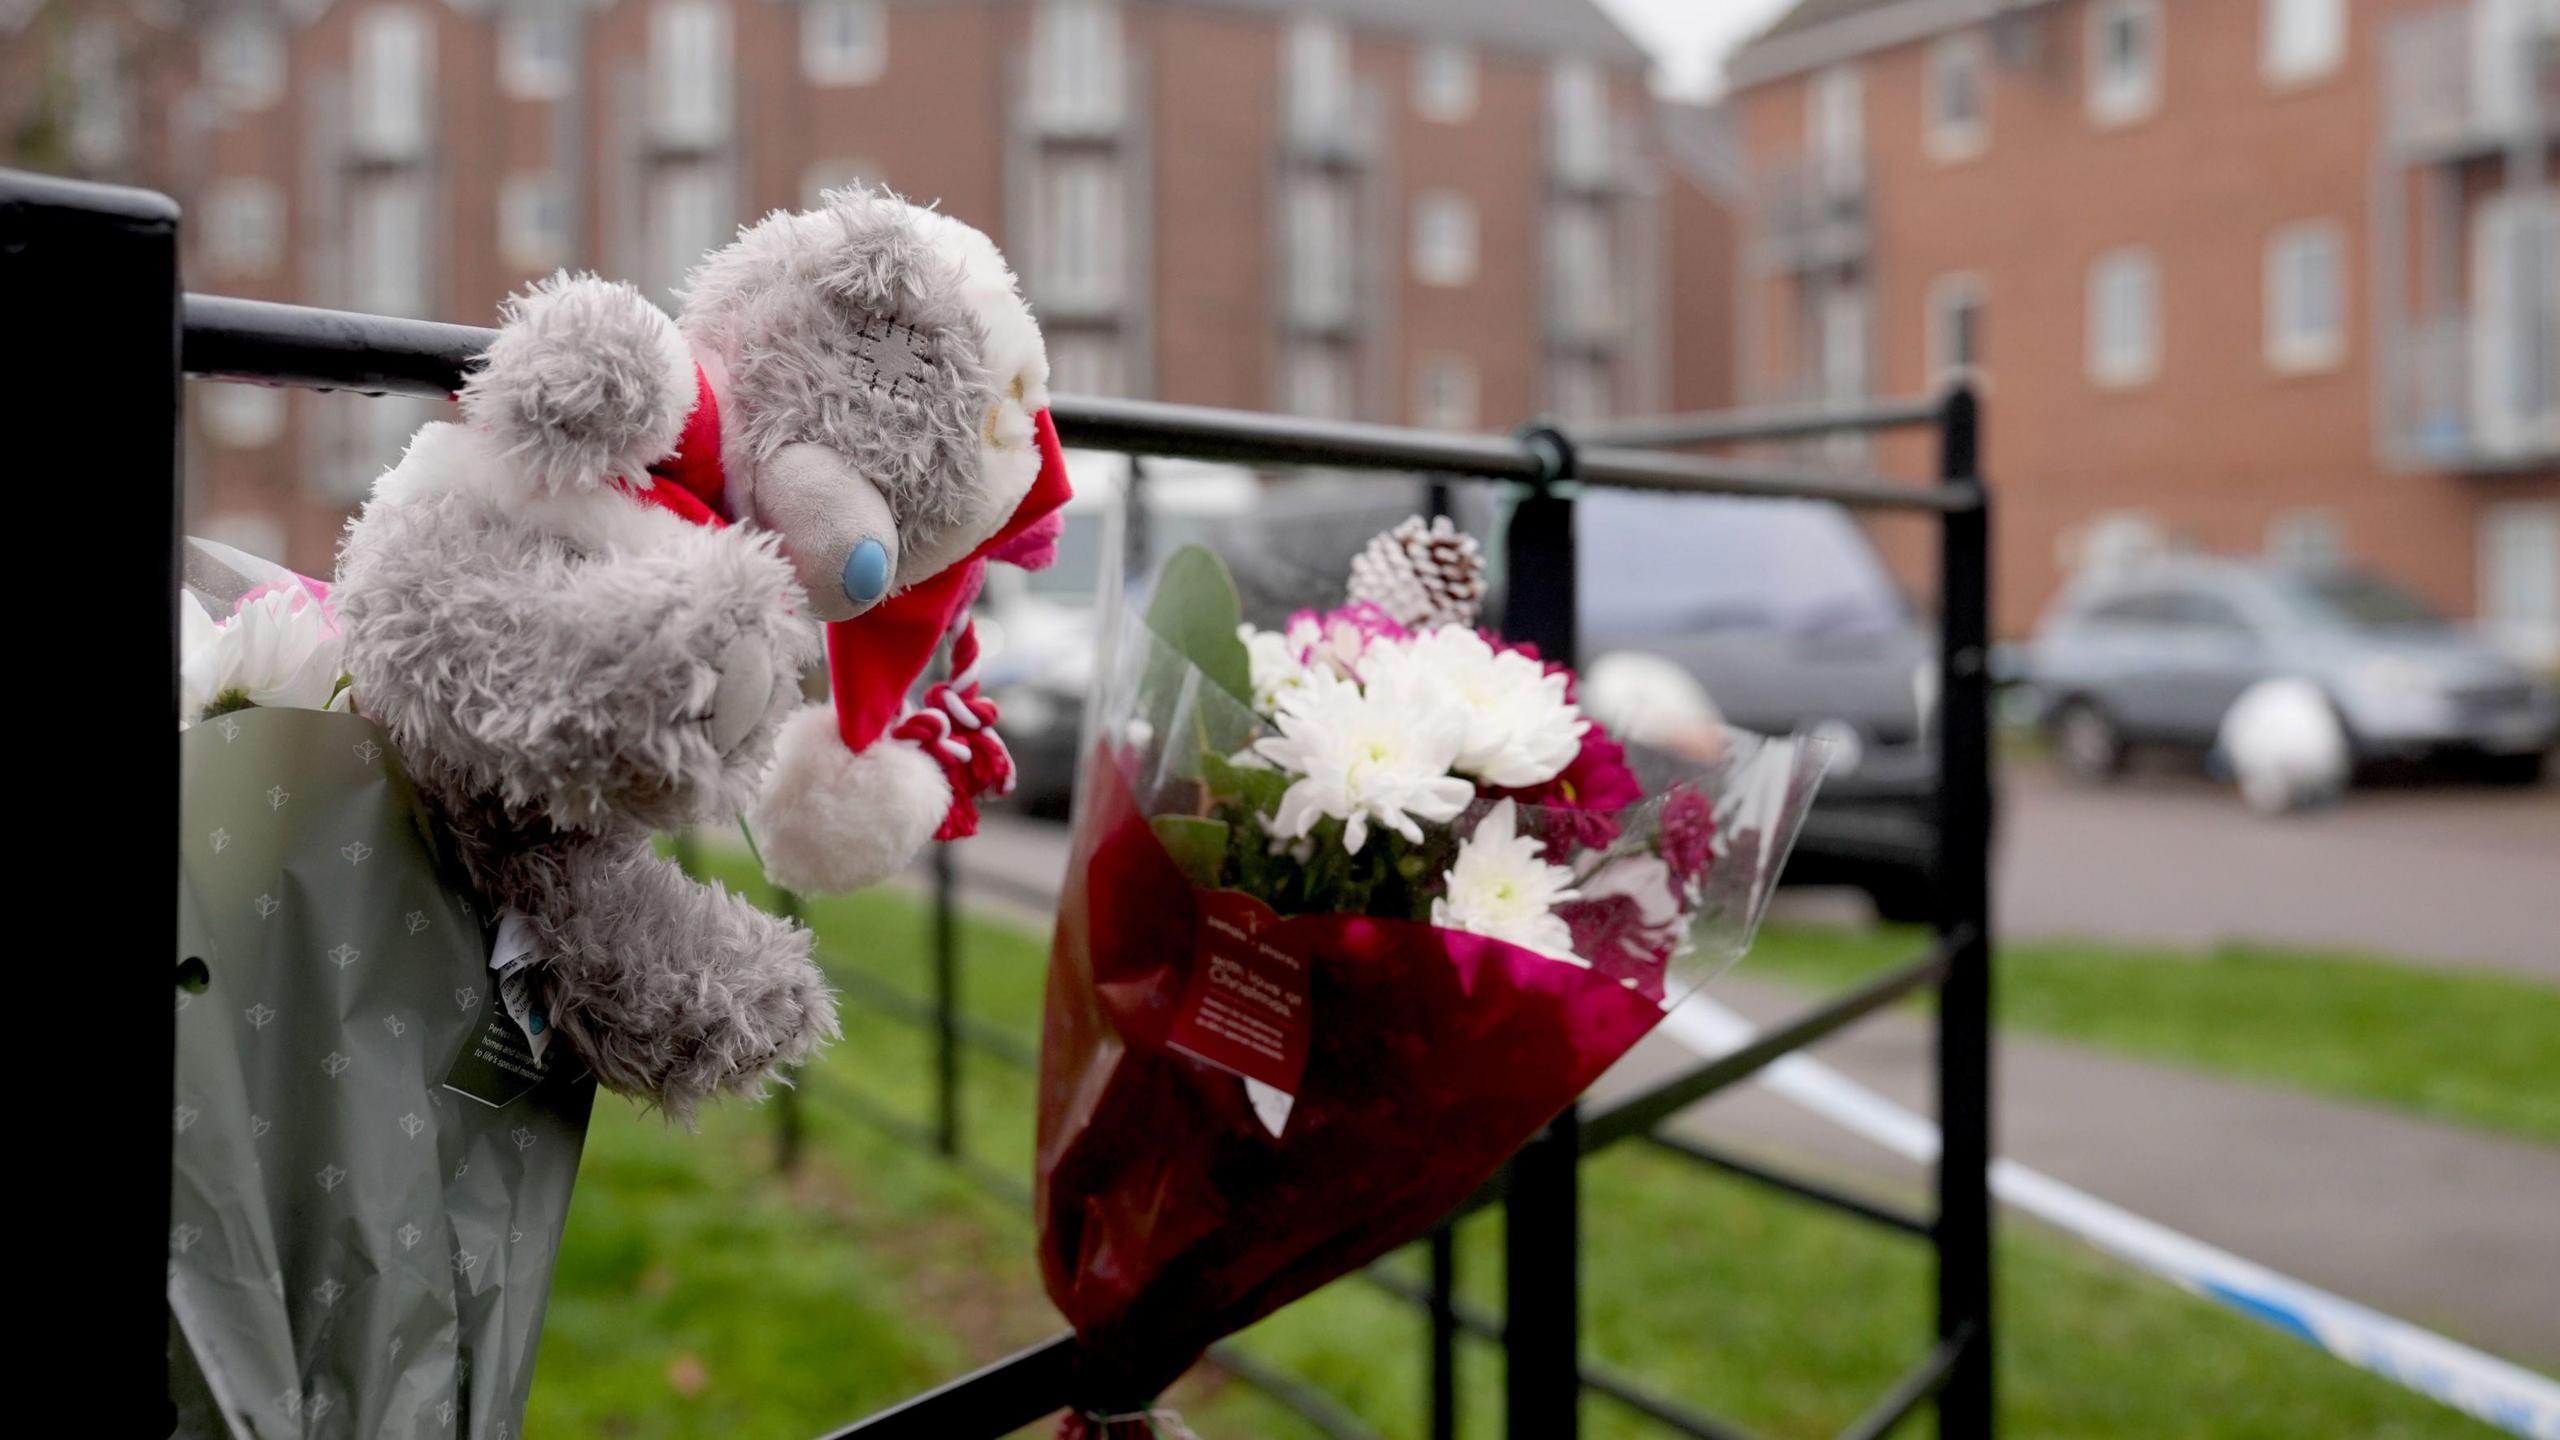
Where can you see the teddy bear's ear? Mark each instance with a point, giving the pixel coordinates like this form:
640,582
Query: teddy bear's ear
587,381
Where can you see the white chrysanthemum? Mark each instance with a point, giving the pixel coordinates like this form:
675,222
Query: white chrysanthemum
1362,756
1276,663
1521,730
280,648
1501,886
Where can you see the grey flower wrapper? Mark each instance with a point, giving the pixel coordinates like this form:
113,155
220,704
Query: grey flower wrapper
354,1249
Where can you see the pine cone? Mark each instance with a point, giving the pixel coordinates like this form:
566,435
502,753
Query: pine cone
1421,576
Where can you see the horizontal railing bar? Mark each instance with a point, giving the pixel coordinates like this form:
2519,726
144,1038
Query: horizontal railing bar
1660,1409
911,1010
1472,1318
1304,1400
997,1400
265,342
1918,1384
1771,422
1639,1114
1030,894
1892,1217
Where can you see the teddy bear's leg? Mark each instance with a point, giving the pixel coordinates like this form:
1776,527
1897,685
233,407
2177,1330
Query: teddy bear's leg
672,990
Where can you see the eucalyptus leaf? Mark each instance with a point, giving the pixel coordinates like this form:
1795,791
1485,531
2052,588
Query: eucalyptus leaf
1196,613
1197,845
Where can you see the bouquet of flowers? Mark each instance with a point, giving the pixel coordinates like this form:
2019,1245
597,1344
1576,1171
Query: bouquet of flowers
1356,906
371,1158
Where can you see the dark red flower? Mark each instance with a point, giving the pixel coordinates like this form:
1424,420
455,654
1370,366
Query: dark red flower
1578,809
1688,833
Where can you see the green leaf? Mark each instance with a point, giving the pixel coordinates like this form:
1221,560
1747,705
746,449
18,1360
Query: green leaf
1255,789
1196,612
1196,844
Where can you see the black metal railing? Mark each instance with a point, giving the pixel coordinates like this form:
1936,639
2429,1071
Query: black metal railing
94,269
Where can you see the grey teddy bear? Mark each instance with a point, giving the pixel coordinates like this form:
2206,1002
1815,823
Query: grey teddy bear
584,611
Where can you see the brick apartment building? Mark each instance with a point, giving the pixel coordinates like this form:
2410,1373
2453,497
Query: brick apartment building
1434,211
2275,275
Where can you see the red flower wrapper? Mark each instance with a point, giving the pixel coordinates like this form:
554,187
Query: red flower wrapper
1269,1058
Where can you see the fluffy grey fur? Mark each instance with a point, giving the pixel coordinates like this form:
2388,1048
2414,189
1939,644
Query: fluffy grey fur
587,381
792,309
558,702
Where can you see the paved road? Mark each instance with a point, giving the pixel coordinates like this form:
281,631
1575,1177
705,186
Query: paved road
2456,875
2445,1227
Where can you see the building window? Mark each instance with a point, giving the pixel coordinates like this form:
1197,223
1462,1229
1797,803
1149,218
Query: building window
244,62
1955,328
2515,323
2124,60
689,72
1319,381
1320,250
843,42
1083,363
2306,296
1835,126
1078,71
392,84
1444,393
2520,577
691,212
533,220
1444,83
1444,238
1578,114
827,176
1077,260
2307,539
2124,318
537,50
1581,284
1578,388
101,126
2301,39
388,250
244,226
1319,79
242,417
1958,122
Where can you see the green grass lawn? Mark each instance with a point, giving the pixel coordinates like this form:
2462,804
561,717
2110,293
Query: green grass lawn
2466,1046
701,1294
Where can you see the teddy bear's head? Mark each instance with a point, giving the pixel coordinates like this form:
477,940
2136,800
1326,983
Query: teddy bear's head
865,376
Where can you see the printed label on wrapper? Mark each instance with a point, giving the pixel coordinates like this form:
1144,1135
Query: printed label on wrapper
1245,1011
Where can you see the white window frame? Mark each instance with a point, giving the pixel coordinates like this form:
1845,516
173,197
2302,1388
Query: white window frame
1582,274
2301,40
389,257
242,417
533,220
689,72
2526,622
2297,343
1445,392
537,45
392,80
2122,98
244,225
1581,387
2515,309
843,42
1444,82
692,211
1323,285
1581,128
1087,362
101,121
1444,238
1835,127
1078,51
835,173
1952,137
1081,220
244,61
2309,536
1317,74
2121,361
1319,380
1961,289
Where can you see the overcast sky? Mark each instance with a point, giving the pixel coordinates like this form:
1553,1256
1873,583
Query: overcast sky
1690,38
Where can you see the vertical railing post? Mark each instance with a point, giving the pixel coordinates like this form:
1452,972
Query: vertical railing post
1542,1230
946,1003
1966,1407
89,274
790,1121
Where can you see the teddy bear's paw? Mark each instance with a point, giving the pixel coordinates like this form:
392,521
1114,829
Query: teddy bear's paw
587,381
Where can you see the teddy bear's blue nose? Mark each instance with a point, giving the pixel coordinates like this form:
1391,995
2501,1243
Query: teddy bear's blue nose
866,572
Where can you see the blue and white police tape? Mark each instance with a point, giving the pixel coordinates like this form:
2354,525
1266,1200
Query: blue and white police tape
2505,1395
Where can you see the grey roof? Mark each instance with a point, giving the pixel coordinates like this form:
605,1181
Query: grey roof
1806,14
1536,27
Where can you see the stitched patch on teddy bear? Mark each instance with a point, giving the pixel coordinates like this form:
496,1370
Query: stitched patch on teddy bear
891,357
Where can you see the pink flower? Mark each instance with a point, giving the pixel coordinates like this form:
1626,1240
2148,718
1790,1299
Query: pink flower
1688,834
1340,637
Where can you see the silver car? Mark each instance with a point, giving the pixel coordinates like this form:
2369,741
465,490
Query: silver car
2157,653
